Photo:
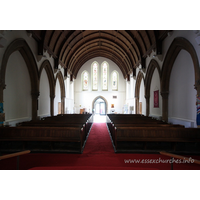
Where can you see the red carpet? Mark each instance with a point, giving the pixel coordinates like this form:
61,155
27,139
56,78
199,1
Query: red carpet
97,155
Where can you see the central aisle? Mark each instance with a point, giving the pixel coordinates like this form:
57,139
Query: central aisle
99,141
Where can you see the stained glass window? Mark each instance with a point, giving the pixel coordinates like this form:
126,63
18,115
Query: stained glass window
95,76
104,76
85,76
115,80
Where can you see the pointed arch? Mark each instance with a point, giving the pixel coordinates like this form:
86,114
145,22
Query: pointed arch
177,45
147,82
100,97
137,90
46,65
59,76
24,49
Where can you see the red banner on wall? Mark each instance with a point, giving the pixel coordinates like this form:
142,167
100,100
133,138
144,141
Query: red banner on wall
156,99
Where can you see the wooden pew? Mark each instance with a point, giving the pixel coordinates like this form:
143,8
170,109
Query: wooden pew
157,135
42,139
66,120
135,125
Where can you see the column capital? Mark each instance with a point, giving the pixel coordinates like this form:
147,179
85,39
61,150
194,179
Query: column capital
35,94
52,96
164,94
136,97
2,84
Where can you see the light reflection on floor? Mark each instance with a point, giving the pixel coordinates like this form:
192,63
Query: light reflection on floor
99,118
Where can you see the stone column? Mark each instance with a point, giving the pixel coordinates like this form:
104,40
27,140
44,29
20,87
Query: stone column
52,97
165,95
136,105
2,114
63,104
197,87
35,96
147,104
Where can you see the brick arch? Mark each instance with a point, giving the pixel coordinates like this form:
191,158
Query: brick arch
60,78
177,45
140,76
24,49
148,78
100,97
48,68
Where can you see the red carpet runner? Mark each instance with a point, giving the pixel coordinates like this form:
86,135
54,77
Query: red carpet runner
97,155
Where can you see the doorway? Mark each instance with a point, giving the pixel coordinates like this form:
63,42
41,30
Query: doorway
99,107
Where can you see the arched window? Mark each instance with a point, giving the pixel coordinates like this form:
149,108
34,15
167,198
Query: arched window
95,73
85,80
104,75
115,80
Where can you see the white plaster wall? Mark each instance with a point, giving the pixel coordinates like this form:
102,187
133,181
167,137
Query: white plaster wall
83,99
182,95
44,98
17,95
155,85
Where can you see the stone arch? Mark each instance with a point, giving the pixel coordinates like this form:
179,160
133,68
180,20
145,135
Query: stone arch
46,65
177,45
59,76
100,97
24,49
147,82
137,90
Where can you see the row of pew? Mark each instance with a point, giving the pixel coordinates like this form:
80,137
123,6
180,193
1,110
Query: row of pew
61,133
139,133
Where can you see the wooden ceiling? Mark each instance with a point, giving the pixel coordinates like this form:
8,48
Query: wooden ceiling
72,48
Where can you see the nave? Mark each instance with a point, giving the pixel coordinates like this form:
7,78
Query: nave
98,154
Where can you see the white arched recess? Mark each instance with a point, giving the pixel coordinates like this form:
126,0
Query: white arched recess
44,98
182,101
155,85
17,95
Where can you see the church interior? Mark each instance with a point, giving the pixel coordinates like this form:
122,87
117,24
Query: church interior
83,101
